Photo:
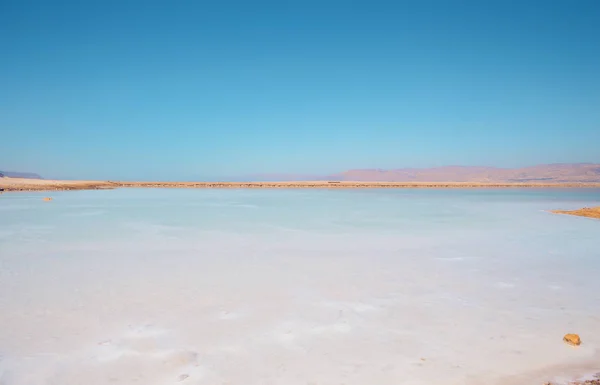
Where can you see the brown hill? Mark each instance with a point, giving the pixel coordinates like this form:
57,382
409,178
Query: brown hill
550,173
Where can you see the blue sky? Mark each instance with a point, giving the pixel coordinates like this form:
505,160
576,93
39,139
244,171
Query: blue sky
207,89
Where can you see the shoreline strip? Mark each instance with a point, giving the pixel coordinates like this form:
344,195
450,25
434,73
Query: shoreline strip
10,184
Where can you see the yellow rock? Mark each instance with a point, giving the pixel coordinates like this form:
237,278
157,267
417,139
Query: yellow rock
572,339
47,199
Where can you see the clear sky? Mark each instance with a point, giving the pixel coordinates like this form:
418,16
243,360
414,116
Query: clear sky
118,89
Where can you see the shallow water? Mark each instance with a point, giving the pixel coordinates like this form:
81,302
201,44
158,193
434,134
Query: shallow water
297,287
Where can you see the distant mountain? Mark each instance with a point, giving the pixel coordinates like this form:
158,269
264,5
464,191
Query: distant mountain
562,172
15,174
545,173
282,178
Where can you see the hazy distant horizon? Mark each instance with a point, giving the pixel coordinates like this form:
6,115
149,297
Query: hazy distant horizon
559,172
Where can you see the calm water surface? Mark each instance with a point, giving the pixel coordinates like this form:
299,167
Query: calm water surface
297,287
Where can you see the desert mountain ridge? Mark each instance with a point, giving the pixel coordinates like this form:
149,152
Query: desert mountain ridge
546,173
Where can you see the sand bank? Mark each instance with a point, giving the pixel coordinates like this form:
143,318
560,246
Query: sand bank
589,212
18,184
23,184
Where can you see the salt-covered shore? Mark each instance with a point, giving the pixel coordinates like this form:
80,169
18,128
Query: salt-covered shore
324,271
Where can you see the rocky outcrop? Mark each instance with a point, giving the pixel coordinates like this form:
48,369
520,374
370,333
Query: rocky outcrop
572,339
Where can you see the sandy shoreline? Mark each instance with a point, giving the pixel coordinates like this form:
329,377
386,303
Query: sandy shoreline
22,184
588,212
18,184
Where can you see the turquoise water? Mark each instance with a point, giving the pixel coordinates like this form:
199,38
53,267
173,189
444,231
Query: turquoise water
297,287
